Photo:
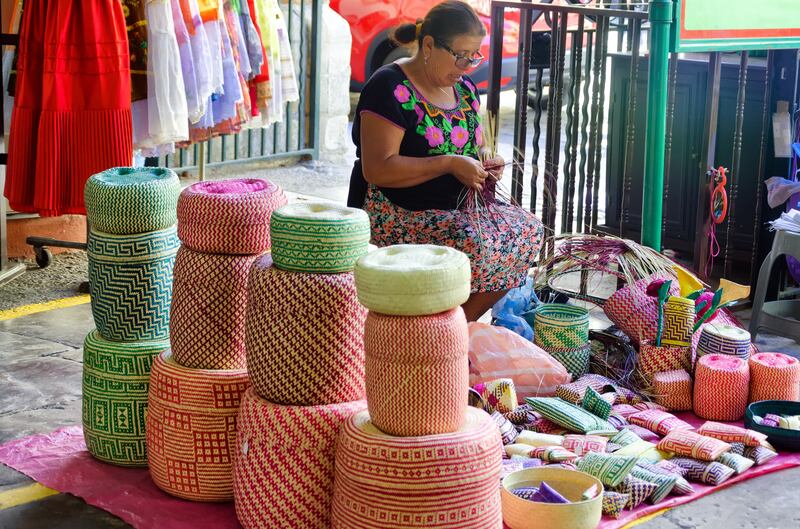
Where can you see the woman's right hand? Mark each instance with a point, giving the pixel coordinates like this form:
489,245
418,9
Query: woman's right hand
469,171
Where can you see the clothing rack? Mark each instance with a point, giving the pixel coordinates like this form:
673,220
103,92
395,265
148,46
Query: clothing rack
8,270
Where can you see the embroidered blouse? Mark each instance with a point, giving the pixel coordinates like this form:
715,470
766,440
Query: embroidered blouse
428,131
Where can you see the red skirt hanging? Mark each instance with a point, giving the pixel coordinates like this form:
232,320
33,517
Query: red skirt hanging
72,109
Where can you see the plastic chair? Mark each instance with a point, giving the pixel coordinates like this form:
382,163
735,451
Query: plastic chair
777,317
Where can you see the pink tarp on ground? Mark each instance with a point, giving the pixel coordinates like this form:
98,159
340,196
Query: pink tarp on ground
60,461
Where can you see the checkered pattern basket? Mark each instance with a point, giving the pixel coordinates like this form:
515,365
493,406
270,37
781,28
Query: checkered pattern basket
561,327
284,462
209,298
437,482
417,372
304,336
575,361
191,429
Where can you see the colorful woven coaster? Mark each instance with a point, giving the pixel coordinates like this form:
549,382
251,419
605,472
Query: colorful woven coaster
594,403
730,433
570,416
608,468
690,444
708,473
499,394
657,421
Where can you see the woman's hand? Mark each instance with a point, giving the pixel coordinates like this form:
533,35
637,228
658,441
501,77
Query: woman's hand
495,167
469,171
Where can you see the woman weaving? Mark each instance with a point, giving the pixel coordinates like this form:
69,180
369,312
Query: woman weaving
419,143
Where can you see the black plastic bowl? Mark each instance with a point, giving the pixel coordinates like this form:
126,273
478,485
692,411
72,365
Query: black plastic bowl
778,437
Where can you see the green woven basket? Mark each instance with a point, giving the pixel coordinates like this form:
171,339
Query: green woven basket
575,361
126,200
116,379
561,327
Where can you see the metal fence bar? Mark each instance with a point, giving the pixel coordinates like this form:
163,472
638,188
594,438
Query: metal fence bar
733,178
573,121
603,30
585,122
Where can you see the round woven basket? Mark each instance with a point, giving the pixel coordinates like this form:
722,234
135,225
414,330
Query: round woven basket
678,321
436,482
132,200
413,280
653,359
723,317
774,376
725,340
520,513
191,429
634,312
209,301
116,377
228,216
417,372
284,462
304,336
561,327
318,237
721,387
130,281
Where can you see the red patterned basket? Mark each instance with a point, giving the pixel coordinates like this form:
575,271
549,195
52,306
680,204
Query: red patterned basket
191,428
721,387
437,481
283,467
774,376
417,372
209,297
304,336
634,312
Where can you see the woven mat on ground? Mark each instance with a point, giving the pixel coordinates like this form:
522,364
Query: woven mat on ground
59,460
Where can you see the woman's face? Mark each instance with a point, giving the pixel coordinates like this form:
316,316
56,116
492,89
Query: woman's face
442,68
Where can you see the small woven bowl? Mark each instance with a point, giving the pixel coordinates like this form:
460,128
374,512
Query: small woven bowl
778,437
526,514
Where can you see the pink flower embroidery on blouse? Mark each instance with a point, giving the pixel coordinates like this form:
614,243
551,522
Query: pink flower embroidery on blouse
478,136
459,136
402,94
420,113
434,136
476,105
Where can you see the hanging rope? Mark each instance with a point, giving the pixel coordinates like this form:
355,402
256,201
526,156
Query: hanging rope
718,212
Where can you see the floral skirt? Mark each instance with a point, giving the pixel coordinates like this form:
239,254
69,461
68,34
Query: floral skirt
502,246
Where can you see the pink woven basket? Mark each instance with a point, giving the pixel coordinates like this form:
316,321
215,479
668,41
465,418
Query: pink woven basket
443,481
634,312
304,336
209,297
774,376
721,387
228,216
283,467
417,372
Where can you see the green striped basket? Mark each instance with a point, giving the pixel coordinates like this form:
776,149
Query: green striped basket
115,383
561,327
318,237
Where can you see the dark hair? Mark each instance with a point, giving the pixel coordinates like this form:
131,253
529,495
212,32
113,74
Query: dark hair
444,22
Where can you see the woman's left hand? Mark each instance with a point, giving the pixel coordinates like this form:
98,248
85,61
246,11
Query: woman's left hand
494,167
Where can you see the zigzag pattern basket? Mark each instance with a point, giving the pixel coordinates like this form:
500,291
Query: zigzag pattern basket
723,339
209,301
721,387
116,377
417,372
437,482
191,429
774,376
318,237
304,336
130,282
228,216
634,312
561,327
679,318
283,467
132,199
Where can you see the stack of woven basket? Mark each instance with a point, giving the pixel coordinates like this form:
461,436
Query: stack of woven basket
418,457
132,245
305,354
197,387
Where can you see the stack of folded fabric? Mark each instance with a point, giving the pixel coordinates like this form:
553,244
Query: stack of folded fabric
305,355
197,387
132,245
419,456
563,331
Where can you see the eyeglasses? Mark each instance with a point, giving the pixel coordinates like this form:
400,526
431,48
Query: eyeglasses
462,61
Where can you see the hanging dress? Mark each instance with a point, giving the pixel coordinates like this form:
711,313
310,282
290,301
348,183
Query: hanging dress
72,110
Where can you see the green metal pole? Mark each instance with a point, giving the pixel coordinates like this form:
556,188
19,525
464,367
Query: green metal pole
661,15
